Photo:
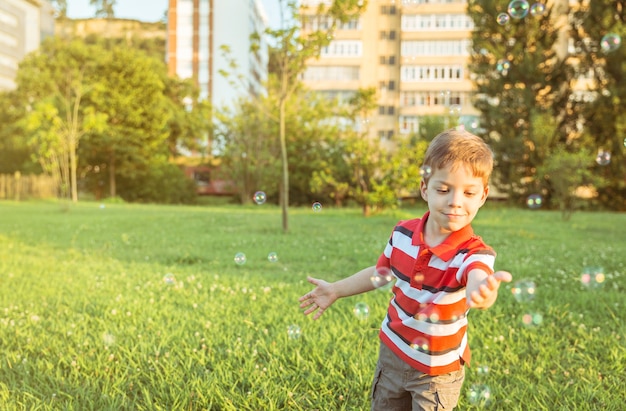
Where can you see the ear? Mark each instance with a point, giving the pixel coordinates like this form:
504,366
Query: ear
423,192
485,195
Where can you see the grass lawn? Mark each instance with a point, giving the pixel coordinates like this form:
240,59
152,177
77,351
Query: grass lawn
142,307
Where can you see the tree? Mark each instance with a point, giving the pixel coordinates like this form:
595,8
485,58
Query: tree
566,173
104,8
519,76
132,98
55,82
598,32
249,149
60,7
294,48
15,155
357,168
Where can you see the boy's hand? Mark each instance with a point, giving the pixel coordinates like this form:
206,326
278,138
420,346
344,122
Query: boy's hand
483,293
319,299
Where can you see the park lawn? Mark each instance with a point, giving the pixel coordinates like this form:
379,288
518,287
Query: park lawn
141,307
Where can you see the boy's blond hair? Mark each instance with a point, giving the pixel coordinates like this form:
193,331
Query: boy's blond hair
456,148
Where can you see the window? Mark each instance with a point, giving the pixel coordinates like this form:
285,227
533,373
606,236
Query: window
386,110
343,48
421,73
414,48
331,73
383,85
432,98
434,22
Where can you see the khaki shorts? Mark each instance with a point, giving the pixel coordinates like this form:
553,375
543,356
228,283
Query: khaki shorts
399,387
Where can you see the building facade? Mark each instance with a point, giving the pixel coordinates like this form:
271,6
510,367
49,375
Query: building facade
209,41
23,25
415,54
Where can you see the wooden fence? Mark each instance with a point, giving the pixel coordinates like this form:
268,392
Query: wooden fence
22,187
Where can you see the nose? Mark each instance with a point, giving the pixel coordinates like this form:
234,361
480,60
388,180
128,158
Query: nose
455,198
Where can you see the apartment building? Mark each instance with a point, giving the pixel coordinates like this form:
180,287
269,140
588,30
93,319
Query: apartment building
23,25
199,33
414,53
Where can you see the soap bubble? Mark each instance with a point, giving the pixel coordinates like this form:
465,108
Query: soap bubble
482,371
537,9
259,197
455,110
593,277
523,291
169,279
108,339
610,42
317,206
534,201
272,257
362,311
479,394
503,18
425,171
503,65
532,319
102,206
381,277
518,9
420,344
294,332
240,259
603,158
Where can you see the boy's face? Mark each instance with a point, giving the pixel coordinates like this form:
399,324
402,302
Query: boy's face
454,198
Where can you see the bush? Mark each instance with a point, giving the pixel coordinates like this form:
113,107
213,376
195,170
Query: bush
565,172
162,183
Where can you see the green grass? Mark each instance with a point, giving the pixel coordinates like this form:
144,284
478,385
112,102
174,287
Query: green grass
87,321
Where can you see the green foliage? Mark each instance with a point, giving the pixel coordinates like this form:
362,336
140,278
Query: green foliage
15,155
162,182
88,322
53,84
536,83
294,47
603,116
97,111
565,172
104,8
247,139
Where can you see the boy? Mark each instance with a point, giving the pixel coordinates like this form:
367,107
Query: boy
441,269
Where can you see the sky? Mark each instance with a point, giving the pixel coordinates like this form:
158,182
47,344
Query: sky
151,10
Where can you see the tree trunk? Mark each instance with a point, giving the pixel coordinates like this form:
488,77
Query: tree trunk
112,188
73,166
284,197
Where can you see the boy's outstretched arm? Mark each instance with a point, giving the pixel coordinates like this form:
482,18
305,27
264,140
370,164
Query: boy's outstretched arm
482,289
325,294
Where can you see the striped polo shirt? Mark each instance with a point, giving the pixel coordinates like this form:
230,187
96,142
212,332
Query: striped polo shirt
426,322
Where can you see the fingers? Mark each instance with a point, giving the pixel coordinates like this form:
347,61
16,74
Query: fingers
503,276
314,308
312,280
475,299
